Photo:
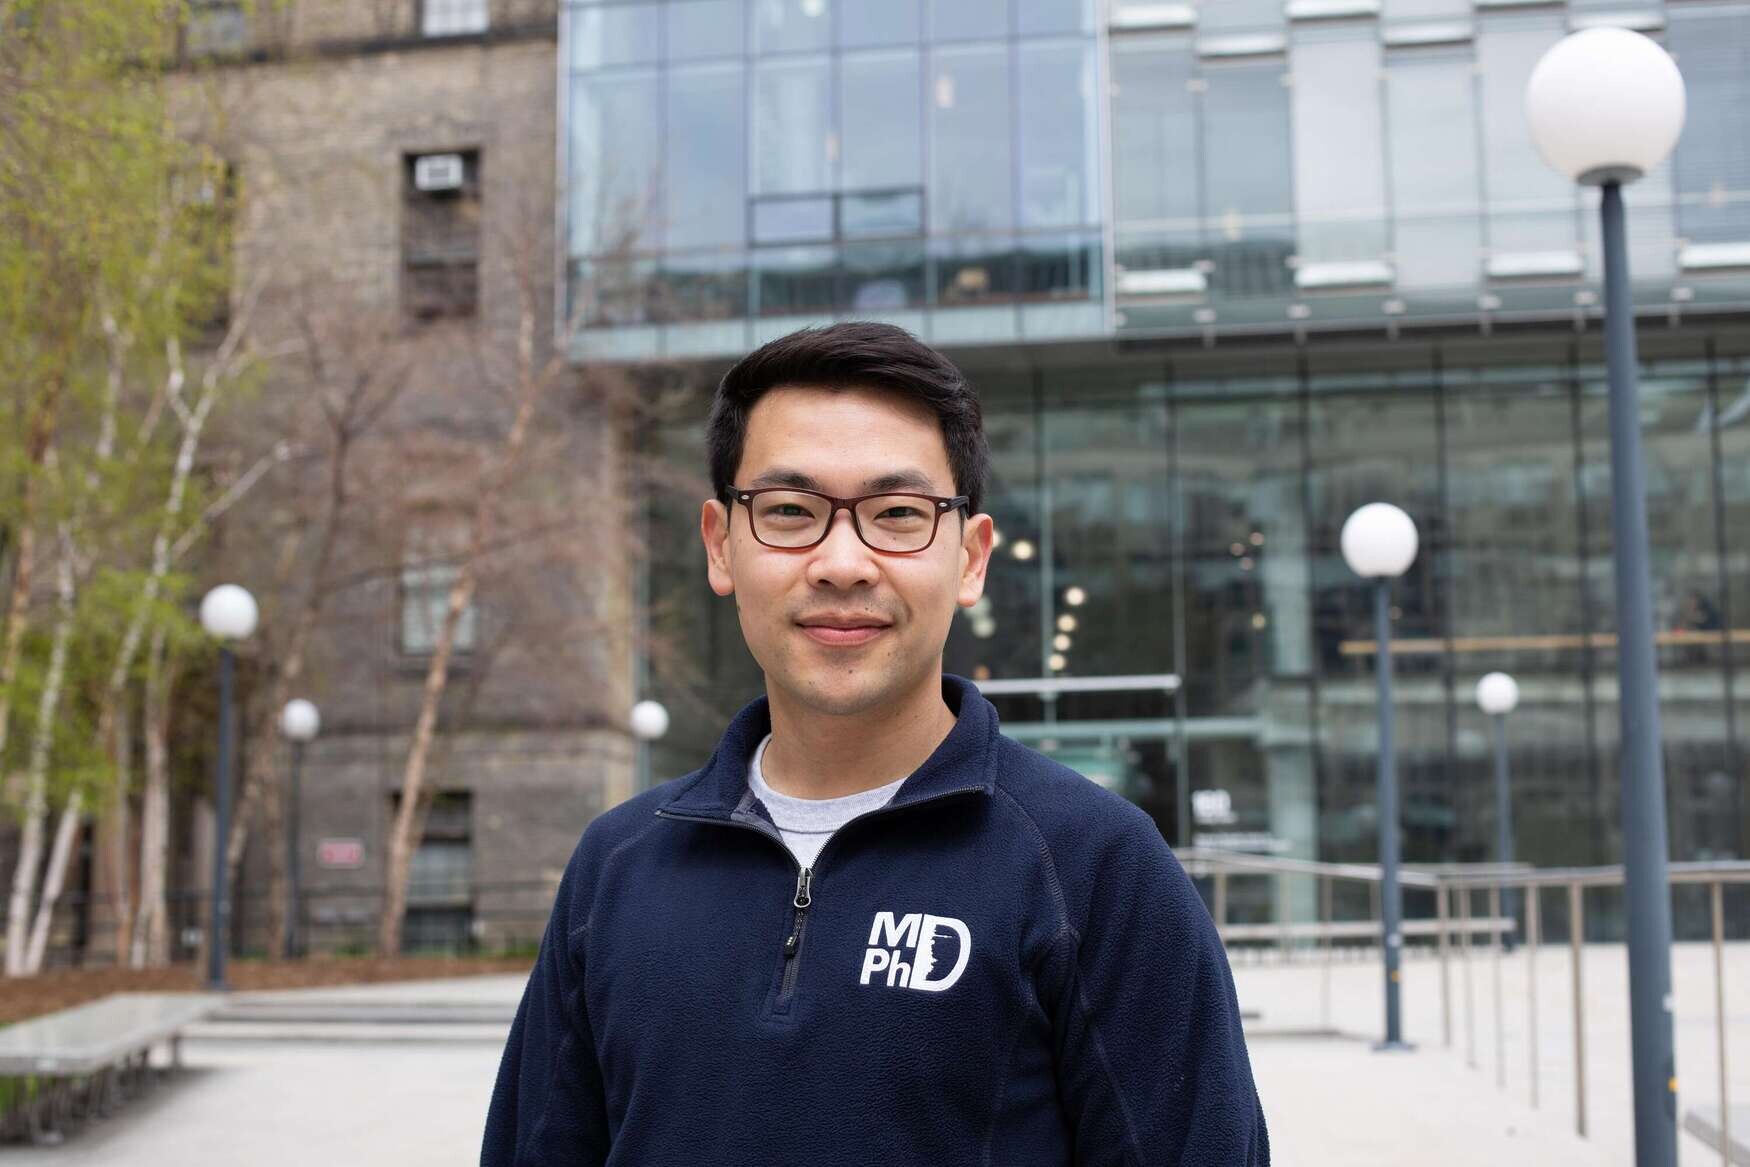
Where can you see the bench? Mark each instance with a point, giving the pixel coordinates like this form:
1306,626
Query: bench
88,1059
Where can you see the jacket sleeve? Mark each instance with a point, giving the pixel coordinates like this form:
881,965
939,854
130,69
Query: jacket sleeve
1151,1060
548,1106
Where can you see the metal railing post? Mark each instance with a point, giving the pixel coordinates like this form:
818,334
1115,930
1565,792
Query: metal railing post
1325,912
1470,1013
1576,945
1717,888
1531,939
1495,965
1442,917
1221,902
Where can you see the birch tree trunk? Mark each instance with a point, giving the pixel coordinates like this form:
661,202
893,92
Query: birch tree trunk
119,739
149,947
36,776
52,884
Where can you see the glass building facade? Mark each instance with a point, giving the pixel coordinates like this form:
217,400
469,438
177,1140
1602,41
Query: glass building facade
1222,272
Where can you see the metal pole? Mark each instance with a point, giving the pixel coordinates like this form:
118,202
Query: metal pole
1646,885
292,913
1390,903
218,924
1716,893
1531,942
1503,813
1576,956
1442,896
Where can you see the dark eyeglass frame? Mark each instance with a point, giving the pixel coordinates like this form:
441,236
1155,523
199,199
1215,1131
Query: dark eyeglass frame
942,507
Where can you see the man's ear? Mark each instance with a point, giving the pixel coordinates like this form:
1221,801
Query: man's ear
714,530
975,548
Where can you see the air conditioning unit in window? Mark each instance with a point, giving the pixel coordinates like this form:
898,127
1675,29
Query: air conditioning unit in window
432,172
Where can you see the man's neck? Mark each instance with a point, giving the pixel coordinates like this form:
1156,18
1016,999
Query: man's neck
823,756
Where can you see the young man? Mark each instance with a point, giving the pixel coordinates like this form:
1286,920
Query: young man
871,929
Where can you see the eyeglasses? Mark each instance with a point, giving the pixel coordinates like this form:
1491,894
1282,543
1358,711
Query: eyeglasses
794,520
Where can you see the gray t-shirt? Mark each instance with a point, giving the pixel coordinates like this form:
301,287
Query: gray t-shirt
807,823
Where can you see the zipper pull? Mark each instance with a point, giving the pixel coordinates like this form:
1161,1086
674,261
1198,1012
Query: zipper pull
801,901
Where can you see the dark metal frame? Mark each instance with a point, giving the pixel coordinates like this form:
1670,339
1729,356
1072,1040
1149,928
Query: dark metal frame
942,507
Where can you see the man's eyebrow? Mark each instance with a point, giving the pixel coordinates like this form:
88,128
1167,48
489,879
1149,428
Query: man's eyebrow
895,480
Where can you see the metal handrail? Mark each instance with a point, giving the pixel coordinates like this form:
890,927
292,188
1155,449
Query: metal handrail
1461,881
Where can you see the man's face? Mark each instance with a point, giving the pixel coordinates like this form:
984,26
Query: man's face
838,442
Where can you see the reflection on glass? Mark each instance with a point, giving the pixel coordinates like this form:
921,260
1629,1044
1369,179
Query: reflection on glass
1154,139
885,213
793,220
792,281
709,285
973,269
1531,206
620,34
1059,140
784,26
1248,193
704,156
1437,231
879,103
1239,15
891,22
616,131
883,276
704,28
1713,155
1339,153
1056,267
792,127
968,19
1059,16
971,179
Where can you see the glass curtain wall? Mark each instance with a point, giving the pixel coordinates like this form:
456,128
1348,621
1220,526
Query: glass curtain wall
1180,514
737,169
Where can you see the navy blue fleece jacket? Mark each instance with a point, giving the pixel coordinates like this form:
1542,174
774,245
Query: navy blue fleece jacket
1003,966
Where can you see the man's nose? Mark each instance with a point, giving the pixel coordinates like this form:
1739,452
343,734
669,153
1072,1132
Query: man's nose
842,559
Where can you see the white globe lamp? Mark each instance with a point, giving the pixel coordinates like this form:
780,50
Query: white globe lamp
300,721
1605,105
649,720
228,612
1497,694
1379,541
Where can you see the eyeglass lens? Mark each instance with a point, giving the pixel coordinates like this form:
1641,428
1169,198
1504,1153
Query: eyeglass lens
892,522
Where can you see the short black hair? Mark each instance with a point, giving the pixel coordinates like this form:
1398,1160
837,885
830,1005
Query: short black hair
856,354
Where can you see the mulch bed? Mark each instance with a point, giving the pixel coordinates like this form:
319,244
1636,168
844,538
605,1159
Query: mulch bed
27,997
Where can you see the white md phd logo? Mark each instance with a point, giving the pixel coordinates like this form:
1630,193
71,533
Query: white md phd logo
890,936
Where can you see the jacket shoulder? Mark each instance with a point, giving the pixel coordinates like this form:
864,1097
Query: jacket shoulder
1059,799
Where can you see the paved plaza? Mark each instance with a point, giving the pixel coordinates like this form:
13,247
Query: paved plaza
397,1074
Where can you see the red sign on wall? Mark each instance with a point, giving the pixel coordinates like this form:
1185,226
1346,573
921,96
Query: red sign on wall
341,853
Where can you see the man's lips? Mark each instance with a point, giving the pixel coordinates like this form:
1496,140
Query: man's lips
849,636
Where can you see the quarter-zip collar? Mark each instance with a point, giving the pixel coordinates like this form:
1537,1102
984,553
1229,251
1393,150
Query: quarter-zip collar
964,762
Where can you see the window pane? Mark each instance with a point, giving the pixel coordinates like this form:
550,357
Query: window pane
1339,155
793,220
1426,9
791,281
782,26
968,19
1531,207
1154,148
619,34
1059,140
1037,16
1060,267
616,129
882,121
704,28
1248,193
884,277
886,22
1437,238
453,17
1713,155
705,136
973,270
707,286
792,131
896,213
1239,15
971,180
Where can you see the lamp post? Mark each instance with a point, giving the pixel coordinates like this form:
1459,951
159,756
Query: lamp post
1605,106
228,613
1497,695
649,721
1379,543
299,722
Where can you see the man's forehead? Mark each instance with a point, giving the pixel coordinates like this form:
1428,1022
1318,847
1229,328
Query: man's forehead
786,447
